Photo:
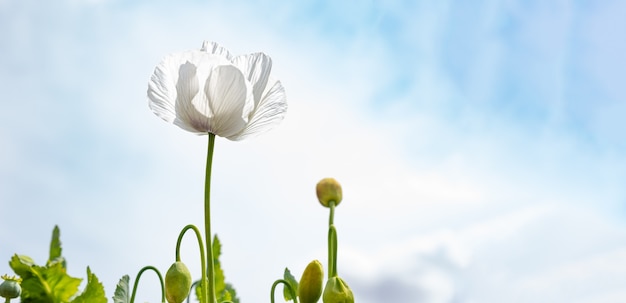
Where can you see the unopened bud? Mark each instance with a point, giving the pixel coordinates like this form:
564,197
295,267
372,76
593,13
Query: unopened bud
177,283
328,189
337,291
310,288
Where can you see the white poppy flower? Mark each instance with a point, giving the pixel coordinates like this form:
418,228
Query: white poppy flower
210,91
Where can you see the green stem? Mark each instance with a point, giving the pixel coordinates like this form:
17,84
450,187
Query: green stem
331,218
207,220
192,287
204,289
332,243
132,297
291,290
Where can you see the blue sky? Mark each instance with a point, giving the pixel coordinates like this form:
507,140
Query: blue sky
480,145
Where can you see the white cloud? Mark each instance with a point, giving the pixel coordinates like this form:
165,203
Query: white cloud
441,204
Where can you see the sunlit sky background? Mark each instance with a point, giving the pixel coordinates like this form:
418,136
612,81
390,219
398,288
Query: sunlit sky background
481,145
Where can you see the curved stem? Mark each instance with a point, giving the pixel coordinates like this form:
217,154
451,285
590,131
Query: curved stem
192,285
207,221
204,290
132,297
291,290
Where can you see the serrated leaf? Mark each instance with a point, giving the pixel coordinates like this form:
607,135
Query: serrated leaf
49,284
217,249
33,289
225,296
94,291
291,280
223,291
220,285
22,265
232,293
198,286
55,244
62,285
122,290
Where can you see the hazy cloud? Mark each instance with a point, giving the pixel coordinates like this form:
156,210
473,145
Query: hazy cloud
479,147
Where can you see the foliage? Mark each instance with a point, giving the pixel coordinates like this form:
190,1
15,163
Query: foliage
122,290
51,283
223,290
289,278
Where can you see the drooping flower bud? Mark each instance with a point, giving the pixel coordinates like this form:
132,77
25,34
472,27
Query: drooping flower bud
328,189
310,288
177,283
10,288
337,291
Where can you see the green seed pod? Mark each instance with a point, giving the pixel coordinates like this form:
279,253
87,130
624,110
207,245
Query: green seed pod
177,283
10,288
337,291
328,189
310,288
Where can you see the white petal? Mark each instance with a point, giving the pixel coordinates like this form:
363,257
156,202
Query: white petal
268,113
215,49
188,87
162,91
256,67
228,92
166,90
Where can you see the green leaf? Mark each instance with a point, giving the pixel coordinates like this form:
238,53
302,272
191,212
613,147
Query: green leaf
55,245
32,288
232,293
22,265
220,284
217,249
49,284
198,285
223,291
33,291
122,291
293,283
94,291
62,285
